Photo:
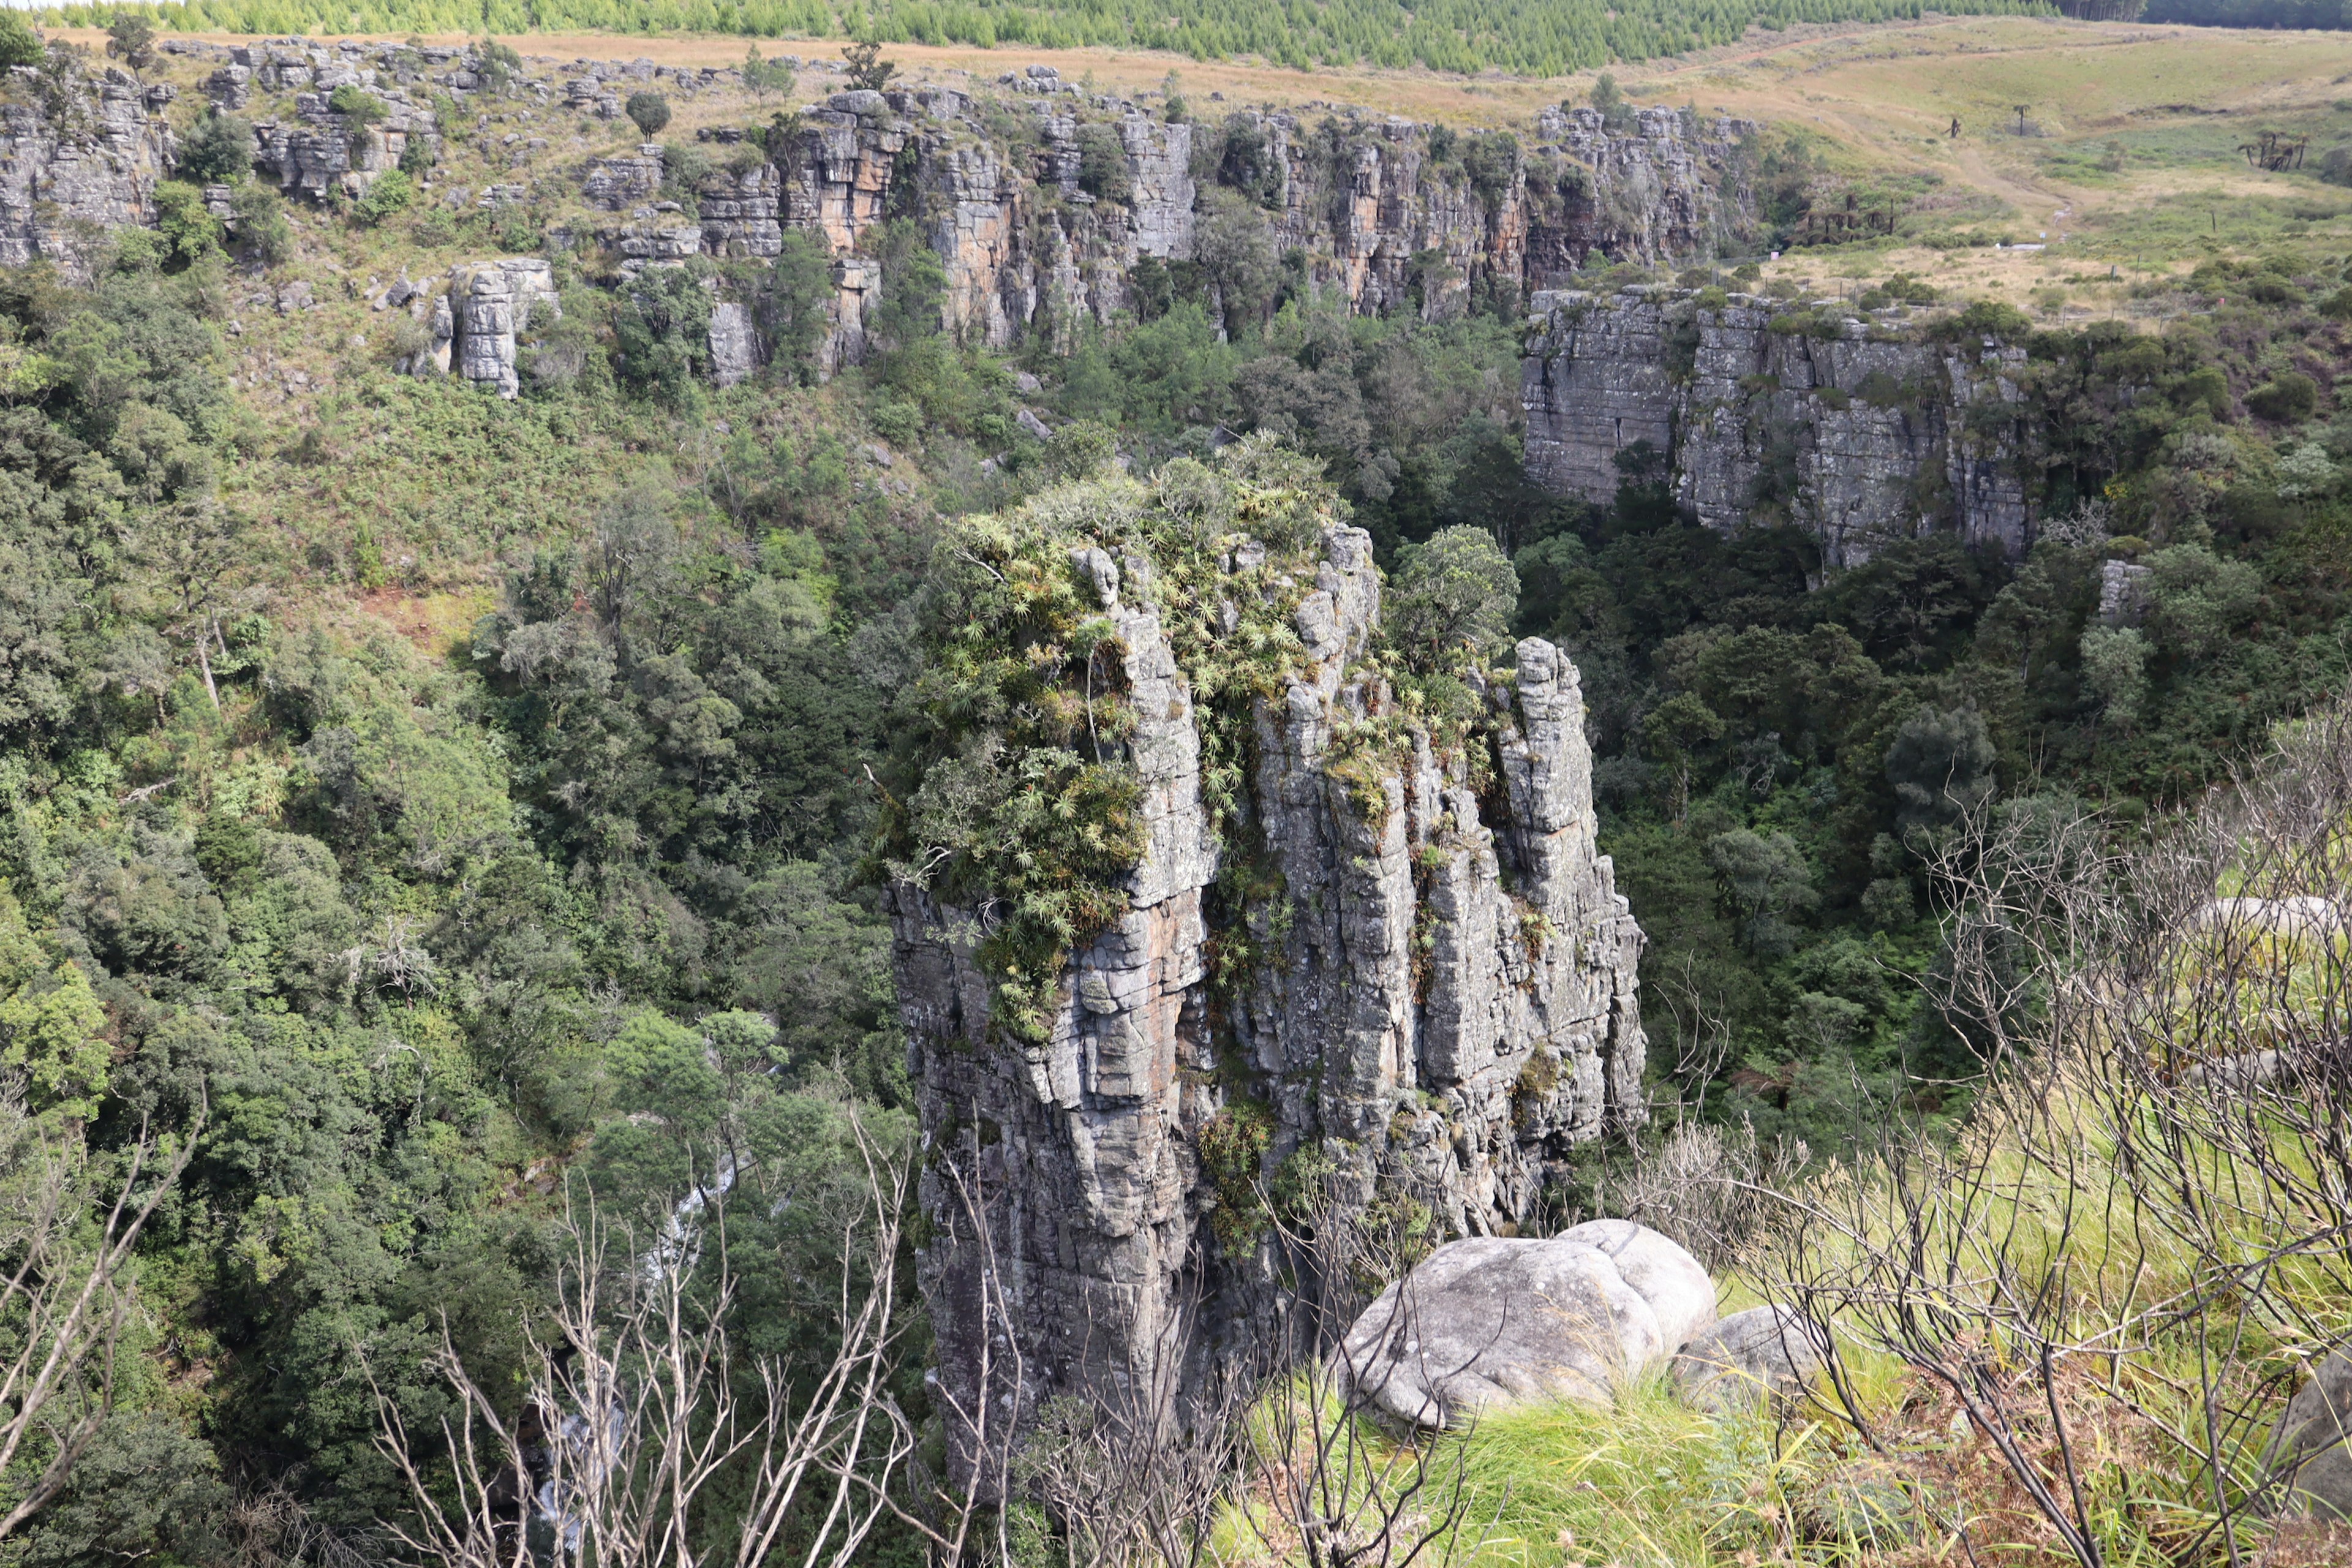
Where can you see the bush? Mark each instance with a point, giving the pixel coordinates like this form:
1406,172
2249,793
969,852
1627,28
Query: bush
184,225
391,193
1102,164
2285,398
261,227
648,111
19,44
217,150
662,329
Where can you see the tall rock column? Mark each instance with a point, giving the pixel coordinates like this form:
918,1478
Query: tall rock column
1391,956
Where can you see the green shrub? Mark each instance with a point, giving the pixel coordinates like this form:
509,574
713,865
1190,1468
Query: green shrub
648,111
217,150
1103,173
19,44
391,193
2285,398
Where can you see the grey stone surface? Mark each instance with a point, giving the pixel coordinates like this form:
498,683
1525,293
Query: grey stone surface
71,172
1492,1321
1869,435
1764,1351
734,346
1448,1002
479,317
2310,1450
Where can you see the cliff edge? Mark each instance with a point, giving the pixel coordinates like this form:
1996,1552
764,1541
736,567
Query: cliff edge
1353,930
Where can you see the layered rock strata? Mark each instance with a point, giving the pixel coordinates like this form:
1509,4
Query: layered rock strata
1445,1004
1374,214
1861,429
79,156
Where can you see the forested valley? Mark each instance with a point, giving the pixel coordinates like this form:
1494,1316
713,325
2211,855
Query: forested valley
442,832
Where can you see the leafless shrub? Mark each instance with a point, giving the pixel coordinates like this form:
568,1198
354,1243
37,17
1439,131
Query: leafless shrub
1334,1484
633,1408
1711,1188
2152,1205
65,1296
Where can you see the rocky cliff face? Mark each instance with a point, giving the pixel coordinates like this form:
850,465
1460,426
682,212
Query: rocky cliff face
1442,1000
1861,429
79,155
1372,211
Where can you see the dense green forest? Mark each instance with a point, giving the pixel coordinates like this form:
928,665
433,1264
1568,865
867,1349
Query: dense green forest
405,938
1518,36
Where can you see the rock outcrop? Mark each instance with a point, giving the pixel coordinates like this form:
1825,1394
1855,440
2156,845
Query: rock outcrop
1490,1323
2309,1455
1764,1353
1387,214
321,151
80,157
1860,429
1440,1005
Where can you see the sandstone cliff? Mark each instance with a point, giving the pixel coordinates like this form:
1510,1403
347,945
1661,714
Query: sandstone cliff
1860,429
1361,947
79,155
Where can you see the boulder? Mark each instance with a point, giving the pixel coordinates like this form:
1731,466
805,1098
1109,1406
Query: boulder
2308,1454
1764,1350
1493,1322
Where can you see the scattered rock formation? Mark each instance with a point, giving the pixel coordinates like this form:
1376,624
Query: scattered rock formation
1861,430
79,156
1762,1353
1442,1005
1490,1323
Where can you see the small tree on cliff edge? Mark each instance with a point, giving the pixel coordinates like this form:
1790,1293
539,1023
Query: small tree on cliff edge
867,68
131,38
649,111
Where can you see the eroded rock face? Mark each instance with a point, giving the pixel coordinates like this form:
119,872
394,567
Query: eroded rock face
1365,204
1490,1323
73,168
477,319
1867,434
1445,1006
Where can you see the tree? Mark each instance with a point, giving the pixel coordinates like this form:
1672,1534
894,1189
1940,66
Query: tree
131,38
634,1405
867,68
761,78
1941,764
800,295
1453,595
648,111
217,150
1768,880
19,44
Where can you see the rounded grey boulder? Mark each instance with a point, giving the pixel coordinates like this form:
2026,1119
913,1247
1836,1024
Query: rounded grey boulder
2310,1449
1491,1322
1764,1350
